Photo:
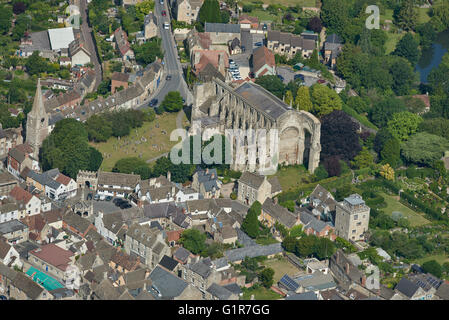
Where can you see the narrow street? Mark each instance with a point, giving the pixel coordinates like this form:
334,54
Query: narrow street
88,38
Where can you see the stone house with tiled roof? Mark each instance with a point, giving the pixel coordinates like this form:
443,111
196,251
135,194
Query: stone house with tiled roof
146,243
289,44
123,262
76,224
52,259
21,157
273,212
187,10
119,79
252,187
116,184
23,288
263,62
206,182
123,46
9,255
313,225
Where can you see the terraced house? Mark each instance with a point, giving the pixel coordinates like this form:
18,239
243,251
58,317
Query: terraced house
288,44
147,243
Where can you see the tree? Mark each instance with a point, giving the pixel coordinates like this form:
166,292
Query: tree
363,159
387,172
272,84
172,102
288,98
383,110
99,129
339,137
437,126
424,148
325,100
147,52
403,76
251,223
302,100
35,64
18,7
289,243
406,16
266,277
315,24
382,136
433,267
404,124
391,152
335,15
129,165
305,246
408,48
5,19
320,173
67,148
332,166
209,12
358,104
289,205
193,240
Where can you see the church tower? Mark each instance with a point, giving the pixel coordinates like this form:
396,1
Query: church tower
37,122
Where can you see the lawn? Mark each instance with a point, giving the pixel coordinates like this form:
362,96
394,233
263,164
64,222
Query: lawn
260,293
423,15
264,15
440,258
394,205
301,3
393,39
291,177
156,133
281,267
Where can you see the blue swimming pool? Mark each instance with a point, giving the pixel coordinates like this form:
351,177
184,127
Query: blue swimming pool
43,279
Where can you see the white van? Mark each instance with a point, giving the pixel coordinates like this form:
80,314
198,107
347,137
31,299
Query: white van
166,26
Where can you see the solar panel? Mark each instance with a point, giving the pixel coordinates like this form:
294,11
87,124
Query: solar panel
289,282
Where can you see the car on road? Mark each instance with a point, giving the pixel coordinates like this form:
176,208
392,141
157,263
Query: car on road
3,298
108,198
125,205
321,81
164,13
96,197
166,26
183,100
153,102
161,2
168,78
258,44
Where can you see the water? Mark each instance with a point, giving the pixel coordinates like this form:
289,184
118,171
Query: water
431,57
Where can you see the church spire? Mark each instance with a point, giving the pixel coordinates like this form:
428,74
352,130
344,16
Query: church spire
38,109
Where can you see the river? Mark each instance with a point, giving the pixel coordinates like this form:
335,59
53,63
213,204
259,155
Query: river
431,57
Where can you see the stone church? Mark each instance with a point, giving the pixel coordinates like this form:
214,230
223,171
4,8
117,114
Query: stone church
218,106
37,122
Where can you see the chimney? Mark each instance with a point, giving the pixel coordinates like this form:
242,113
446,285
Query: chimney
363,281
197,57
347,268
168,175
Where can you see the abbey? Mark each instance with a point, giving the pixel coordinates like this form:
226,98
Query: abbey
37,122
218,106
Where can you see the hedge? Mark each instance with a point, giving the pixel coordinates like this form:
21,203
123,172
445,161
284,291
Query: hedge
418,204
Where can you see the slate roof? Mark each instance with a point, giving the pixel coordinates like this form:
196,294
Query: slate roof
168,285
27,286
44,179
182,254
4,249
202,267
316,281
302,296
168,263
253,251
279,213
106,291
222,27
118,179
443,291
251,179
75,221
219,292
234,288
406,287
309,221
12,226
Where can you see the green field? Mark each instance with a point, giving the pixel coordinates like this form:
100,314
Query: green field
291,177
157,141
394,205
281,267
440,258
393,39
302,3
260,293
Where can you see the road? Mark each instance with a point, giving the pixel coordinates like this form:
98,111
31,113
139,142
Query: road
171,62
88,38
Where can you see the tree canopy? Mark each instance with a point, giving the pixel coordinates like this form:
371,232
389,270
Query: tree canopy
424,148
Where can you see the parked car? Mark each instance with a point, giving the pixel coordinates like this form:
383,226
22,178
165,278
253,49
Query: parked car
321,81
96,197
281,77
258,44
153,102
168,78
166,26
298,76
119,202
164,13
108,198
89,196
125,205
3,298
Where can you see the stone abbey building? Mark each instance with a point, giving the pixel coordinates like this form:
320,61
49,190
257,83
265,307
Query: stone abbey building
218,106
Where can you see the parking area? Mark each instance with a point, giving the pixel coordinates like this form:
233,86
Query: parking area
106,206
